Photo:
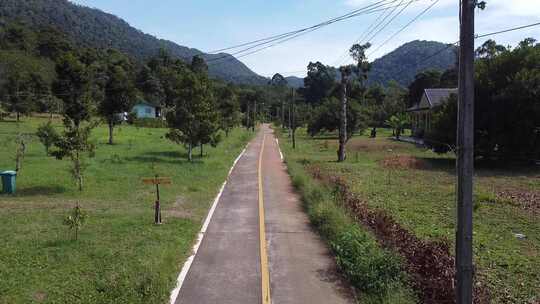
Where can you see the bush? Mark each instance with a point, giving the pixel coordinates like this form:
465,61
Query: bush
369,268
47,135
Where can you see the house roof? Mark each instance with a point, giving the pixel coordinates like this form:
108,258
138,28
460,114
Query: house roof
432,98
436,97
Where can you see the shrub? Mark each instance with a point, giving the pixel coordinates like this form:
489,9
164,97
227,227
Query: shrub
369,268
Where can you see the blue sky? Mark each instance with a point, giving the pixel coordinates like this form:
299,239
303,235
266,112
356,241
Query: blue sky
212,24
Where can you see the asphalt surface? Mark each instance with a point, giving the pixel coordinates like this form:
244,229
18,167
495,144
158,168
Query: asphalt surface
227,267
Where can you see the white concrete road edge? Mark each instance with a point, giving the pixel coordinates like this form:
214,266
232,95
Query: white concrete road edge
200,236
279,148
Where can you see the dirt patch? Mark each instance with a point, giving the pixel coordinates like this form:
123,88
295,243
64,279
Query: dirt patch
430,264
178,209
372,145
527,200
40,296
403,162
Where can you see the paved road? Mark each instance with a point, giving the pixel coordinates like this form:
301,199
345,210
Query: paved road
230,266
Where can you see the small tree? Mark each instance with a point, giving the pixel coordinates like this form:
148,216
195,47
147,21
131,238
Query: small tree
20,151
194,119
47,136
76,220
73,88
229,109
397,123
118,98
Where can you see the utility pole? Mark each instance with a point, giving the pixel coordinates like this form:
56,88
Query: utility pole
283,114
465,156
247,117
293,120
343,118
254,115
290,121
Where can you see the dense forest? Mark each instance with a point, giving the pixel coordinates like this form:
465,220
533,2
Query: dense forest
90,27
405,62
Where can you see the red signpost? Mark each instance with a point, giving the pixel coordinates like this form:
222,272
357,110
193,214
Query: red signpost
157,181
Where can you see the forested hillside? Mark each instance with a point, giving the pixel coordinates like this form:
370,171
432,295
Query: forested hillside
93,28
405,62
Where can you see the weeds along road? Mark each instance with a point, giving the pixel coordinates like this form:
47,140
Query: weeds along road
259,246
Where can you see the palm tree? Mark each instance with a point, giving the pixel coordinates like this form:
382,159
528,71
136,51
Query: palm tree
398,123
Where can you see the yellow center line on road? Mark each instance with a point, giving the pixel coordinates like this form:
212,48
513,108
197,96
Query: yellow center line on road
265,273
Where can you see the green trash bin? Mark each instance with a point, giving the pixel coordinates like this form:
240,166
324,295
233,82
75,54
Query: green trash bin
8,181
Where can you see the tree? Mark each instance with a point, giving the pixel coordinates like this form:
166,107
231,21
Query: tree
194,119
47,135
20,98
506,107
358,53
325,118
73,88
319,82
198,65
423,80
278,80
229,108
119,91
398,122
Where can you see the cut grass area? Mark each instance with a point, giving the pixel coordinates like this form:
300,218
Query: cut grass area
420,196
121,256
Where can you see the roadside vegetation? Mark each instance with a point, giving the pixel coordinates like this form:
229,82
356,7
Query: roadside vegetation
119,256
414,188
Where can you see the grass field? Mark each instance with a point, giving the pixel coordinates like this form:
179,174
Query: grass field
418,191
121,256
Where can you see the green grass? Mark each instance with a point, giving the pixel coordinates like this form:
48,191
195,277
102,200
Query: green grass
121,256
423,201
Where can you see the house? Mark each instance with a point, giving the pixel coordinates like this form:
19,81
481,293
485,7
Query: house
420,113
145,109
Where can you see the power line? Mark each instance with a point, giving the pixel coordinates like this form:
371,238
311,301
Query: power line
404,27
289,37
300,30
379,29
360,38
426,59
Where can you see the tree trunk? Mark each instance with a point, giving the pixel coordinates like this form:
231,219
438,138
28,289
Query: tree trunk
111,129
190,150
201,154
294,138
18,116
343,118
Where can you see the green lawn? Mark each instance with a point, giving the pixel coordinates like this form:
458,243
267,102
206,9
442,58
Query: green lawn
421,198
121,256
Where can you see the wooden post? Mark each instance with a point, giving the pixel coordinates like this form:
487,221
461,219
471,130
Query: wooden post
343,116
465,156
157,215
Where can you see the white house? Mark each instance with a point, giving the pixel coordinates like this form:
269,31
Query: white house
144,109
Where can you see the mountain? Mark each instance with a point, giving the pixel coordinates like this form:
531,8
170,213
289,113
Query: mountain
94,28
295,82
406,61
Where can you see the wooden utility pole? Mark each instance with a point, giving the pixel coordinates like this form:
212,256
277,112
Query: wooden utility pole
343,116
254,115
283,114
247,118
290,121
293,119
465,156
